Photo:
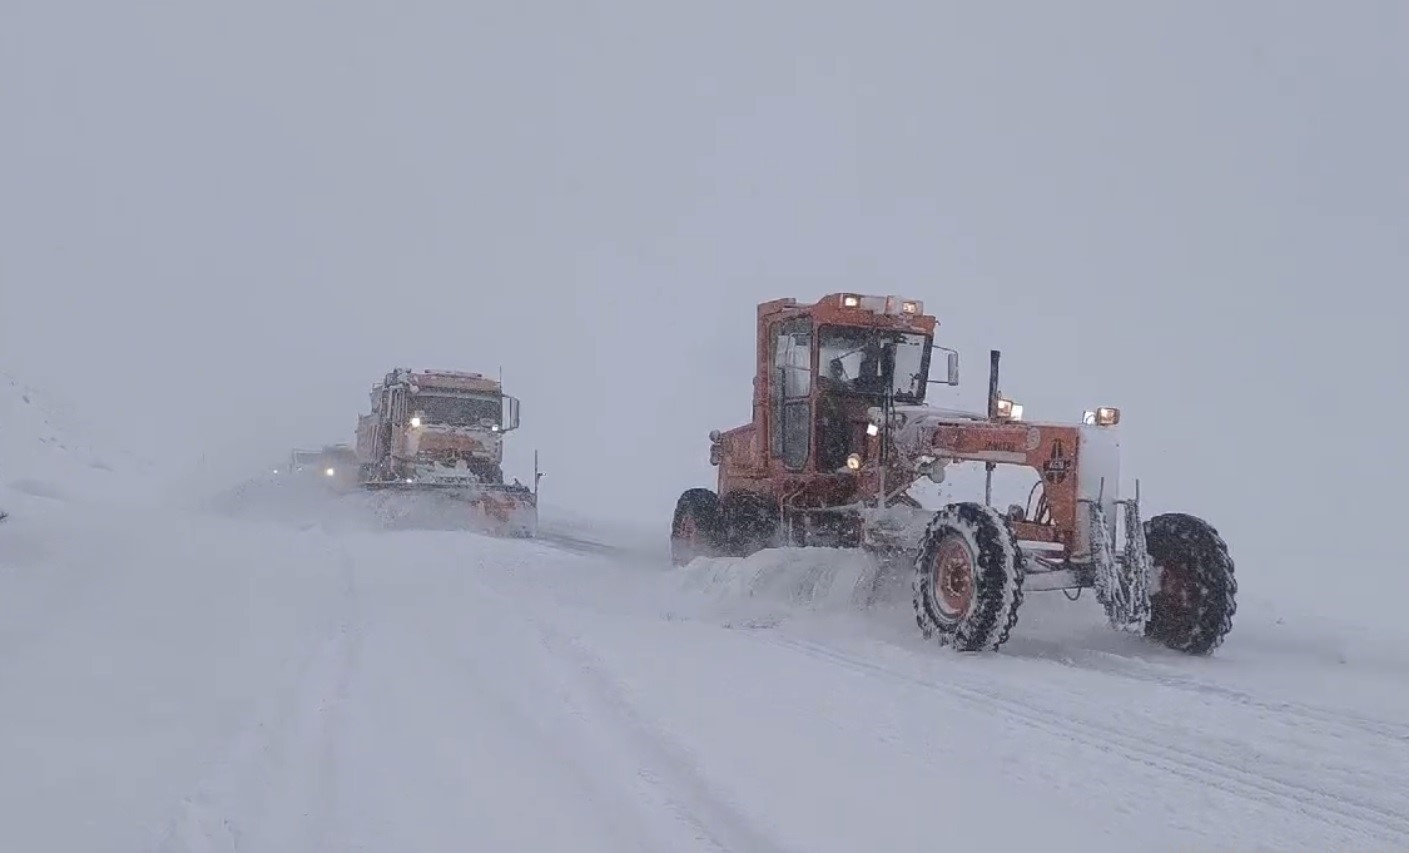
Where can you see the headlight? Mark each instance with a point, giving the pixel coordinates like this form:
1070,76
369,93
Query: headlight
850,300
329,472
1104,416
1009,411
873,429
415,421
910,307
853,462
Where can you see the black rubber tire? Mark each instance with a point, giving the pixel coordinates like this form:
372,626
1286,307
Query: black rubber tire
749,523
1193,594
701,507
996,569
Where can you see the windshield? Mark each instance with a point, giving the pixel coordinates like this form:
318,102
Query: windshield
458,410
851,360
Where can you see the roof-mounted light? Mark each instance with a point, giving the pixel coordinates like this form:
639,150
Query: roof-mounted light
1103,416
1007,410
894,306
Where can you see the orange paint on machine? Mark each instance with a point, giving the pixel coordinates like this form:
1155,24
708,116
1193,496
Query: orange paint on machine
842,435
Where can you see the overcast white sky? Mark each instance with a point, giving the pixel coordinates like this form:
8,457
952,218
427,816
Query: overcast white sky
219,223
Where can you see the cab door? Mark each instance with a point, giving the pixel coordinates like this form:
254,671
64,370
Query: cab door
790,400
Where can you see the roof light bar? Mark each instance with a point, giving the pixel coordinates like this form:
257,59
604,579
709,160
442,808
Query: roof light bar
894,306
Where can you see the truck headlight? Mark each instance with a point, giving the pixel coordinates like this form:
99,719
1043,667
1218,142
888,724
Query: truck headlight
850,300
853,462
1103,416
330,472
1008,410
415,421
873,428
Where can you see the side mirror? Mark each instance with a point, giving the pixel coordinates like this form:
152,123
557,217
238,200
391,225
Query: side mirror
953,365
510,418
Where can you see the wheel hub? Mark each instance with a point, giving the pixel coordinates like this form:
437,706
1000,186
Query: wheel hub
953,578
689,531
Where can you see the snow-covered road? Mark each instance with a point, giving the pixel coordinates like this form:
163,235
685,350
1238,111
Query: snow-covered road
182,681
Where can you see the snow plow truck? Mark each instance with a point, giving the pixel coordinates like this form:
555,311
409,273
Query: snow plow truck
842,431
442,432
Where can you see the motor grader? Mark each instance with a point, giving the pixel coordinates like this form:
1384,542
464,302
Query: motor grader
842,433
442,432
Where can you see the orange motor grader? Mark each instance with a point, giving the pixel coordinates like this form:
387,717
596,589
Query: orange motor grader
841,433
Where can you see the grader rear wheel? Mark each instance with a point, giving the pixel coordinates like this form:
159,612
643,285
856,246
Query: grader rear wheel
749,522
696,528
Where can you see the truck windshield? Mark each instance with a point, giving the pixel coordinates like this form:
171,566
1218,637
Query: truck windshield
851,361
458,410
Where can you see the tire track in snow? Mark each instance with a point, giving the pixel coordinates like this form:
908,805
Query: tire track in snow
1139,669
322,723
276,785
1339,810
665,768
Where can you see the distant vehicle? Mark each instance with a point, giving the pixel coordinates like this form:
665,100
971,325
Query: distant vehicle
443,431
334,464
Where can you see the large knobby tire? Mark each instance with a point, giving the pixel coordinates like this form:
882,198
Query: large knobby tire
695,529
968,578
1193,594
749,523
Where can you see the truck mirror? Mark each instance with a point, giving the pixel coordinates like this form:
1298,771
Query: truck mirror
953,368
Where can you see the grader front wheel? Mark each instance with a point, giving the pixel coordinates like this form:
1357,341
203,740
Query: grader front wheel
968,578
1193,595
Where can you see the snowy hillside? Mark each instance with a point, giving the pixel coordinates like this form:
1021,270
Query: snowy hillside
48,455
282,671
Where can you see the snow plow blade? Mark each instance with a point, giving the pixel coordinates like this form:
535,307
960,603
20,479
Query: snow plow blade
499,510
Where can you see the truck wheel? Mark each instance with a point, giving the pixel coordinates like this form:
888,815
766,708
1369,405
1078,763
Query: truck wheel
1193,594
749,523
968,578
695,530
